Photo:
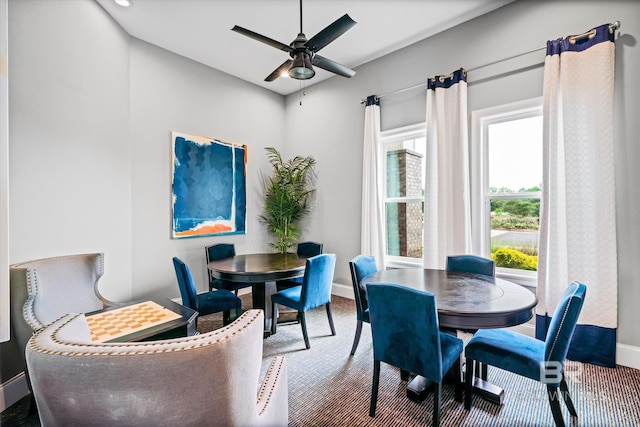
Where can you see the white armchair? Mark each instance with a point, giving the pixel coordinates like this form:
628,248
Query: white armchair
208,379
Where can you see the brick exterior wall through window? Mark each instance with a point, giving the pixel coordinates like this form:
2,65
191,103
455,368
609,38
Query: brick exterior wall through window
404,179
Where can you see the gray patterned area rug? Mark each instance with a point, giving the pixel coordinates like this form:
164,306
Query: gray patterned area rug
328,387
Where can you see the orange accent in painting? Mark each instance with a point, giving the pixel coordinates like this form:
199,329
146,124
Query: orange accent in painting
209,229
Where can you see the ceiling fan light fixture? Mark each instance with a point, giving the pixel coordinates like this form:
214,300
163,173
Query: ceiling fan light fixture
301,68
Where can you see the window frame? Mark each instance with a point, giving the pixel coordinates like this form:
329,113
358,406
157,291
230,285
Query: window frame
480,195
414,131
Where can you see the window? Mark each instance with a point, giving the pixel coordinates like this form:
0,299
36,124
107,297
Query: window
506,179
404,161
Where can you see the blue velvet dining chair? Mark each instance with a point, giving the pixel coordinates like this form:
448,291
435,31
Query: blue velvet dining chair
205,303
314,292
526,356
222,251
361,266
305,249
471,264
406,334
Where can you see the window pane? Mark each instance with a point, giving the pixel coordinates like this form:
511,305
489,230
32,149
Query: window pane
404,155
514,233
515,155
404,229
405,168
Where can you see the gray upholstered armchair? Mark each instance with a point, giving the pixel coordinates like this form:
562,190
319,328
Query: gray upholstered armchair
46,289
43,290
207,379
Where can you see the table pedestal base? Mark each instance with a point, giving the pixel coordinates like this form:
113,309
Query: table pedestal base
419,388
287,316
261,299
488,391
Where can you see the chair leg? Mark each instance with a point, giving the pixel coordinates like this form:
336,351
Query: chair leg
374,388
333,329
484,371
404,375
226,317
437,392
554,402
567,397
274,318
468,379
303,323
356,339
457,367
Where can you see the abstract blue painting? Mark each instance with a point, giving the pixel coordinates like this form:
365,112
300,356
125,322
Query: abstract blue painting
209,186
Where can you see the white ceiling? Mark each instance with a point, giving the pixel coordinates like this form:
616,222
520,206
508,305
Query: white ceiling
201,30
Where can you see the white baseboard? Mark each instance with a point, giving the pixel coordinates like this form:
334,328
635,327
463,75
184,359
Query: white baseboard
343,291
13,390
628,355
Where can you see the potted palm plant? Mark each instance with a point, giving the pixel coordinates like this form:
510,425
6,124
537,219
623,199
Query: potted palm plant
287,197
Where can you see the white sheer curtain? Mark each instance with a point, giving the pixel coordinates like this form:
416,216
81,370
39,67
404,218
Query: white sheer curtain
372,241
447,212
577,221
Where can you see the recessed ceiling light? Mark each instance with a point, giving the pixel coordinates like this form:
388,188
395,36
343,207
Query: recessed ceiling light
125,3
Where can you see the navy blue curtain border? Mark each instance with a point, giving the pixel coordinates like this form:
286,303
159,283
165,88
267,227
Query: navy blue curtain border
373,100
589,344
447,81
602,34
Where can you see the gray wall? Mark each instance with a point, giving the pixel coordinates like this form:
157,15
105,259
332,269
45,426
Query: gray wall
329,124
91,114
169,92
69,149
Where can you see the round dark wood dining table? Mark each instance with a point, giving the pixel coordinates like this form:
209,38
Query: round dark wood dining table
464,301
262,270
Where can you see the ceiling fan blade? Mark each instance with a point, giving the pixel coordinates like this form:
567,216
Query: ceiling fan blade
263,39
330,33
333,66
278,71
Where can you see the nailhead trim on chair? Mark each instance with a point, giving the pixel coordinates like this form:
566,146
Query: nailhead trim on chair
32,287
279,362
105,301
27,309
564,316
196,341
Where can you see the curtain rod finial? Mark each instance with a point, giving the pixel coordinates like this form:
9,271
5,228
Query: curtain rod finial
614,26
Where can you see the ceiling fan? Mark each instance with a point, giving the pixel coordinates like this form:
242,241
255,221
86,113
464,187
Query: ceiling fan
303,51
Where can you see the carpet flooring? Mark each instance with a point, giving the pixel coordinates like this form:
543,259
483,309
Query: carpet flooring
328,387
